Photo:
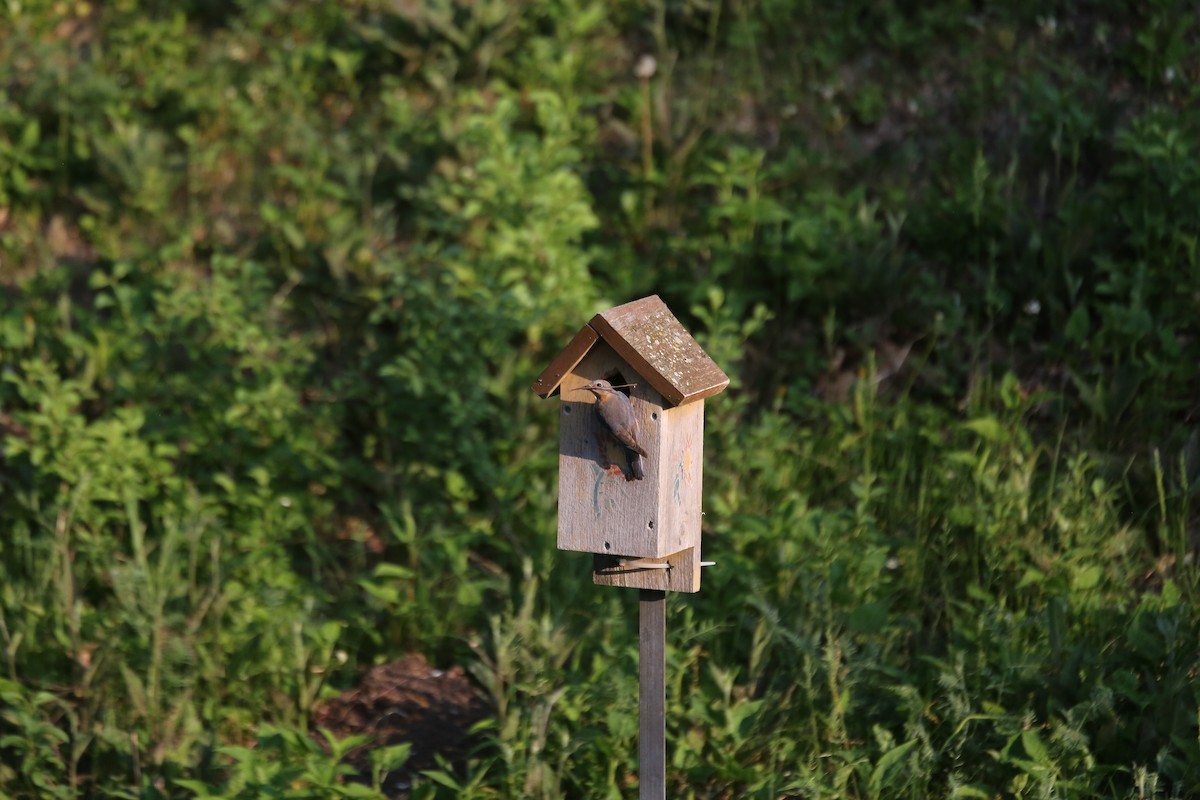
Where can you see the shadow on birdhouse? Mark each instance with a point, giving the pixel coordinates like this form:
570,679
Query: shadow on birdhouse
631,445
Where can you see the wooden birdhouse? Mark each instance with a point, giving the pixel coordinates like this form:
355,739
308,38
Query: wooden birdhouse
645,533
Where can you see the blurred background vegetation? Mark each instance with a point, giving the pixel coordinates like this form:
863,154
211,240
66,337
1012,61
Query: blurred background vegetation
275,277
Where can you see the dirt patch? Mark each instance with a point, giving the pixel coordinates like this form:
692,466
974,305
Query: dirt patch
407,701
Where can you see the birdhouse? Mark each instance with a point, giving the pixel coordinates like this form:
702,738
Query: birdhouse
630,467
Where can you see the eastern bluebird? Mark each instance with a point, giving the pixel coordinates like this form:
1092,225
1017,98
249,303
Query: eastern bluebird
616,412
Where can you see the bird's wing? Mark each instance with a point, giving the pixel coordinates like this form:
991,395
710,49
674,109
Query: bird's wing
624,430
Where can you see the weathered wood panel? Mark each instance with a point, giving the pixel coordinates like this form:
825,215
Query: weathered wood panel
648,336
682,573
680,478
599,511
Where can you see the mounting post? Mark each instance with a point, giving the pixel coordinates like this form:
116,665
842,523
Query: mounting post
652,667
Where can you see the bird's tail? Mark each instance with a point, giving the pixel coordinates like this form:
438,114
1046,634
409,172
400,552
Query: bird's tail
637,469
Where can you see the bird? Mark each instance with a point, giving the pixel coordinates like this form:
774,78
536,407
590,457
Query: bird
616,412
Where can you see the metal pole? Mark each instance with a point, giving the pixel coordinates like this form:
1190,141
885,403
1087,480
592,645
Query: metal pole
652,667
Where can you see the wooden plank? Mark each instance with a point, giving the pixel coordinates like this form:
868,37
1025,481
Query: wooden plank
652,717
565,361
647,335
681,478
682,573
599,511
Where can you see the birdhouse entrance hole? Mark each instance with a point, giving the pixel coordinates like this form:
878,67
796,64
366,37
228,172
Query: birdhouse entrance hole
617,379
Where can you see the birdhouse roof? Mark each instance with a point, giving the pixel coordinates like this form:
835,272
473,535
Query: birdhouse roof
648,337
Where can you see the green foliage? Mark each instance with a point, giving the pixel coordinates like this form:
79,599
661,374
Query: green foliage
275,278
285,763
